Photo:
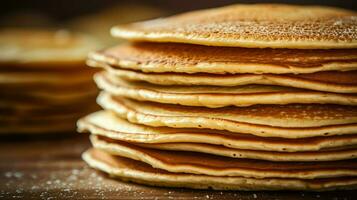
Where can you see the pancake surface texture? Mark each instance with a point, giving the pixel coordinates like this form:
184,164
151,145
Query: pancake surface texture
254,26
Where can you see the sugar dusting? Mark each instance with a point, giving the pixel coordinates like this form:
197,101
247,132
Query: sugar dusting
67,177
61,184
284,26
85,183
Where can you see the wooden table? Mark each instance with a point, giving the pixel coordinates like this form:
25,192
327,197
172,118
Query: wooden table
51,168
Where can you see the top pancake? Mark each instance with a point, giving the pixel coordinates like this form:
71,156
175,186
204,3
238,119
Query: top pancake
183,58
253,26
35,47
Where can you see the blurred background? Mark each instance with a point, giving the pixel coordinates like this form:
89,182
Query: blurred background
97,16
67,9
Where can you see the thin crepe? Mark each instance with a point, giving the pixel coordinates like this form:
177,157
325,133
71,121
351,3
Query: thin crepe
329,81
315,156
211,96
207,164
107,124
288,121
139,172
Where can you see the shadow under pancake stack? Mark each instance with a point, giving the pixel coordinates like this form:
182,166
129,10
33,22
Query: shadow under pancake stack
244,97
45,85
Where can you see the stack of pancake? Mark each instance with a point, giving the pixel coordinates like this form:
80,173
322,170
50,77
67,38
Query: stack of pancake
249,97
45,85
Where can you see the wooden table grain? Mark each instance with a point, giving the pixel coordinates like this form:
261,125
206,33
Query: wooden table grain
51,168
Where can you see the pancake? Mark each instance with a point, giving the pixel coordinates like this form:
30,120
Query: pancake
46,94
39,123
46,78
24,130
19,99
30,119
37,48
49,118
289,121
55,113
284,116
21,110
214,96
207,164
107,124
42,67
139,172
38,101
330,81
46,89
253,26
101,142
183,58
42,127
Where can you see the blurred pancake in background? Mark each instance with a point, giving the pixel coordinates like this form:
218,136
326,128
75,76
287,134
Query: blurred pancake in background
38,48
42,72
